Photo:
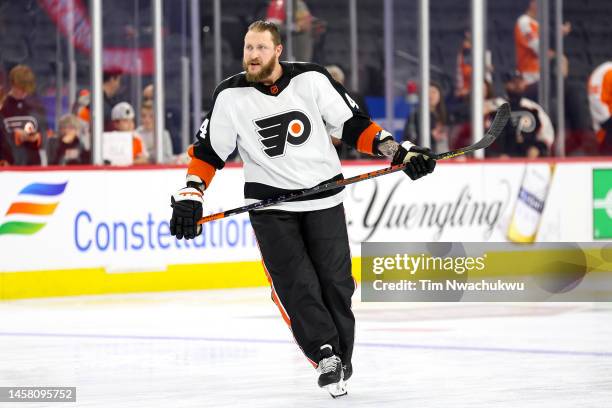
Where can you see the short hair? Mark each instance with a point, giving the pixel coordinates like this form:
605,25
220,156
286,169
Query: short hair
23,77
68,120
111,73
261,26
145,89
336,73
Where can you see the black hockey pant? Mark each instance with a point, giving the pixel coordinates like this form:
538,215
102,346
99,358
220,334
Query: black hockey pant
307,259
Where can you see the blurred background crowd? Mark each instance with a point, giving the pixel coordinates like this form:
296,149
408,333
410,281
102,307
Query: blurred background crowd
45,72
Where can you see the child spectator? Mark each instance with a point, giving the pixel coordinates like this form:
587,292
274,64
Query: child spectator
122,116
146,133
22,118
66,148
82,111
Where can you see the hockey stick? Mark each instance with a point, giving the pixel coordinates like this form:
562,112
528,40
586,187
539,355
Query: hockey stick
499,122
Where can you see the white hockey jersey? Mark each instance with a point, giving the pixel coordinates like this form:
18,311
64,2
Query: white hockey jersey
282,134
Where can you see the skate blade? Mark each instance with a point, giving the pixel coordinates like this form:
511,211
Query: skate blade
337,390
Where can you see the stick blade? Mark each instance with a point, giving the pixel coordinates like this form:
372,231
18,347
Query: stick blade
499,122
497,126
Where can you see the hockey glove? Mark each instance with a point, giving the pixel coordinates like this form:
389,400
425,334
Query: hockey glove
418,165
186,212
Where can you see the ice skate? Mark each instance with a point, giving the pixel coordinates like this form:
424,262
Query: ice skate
331,372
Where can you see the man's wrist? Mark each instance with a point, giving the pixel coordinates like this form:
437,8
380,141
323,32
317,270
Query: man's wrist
388,147
385,144
195,182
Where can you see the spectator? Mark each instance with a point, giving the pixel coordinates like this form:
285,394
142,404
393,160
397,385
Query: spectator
437,119
527,43
147,134
530,132
22,118
173,125
344,151
600,103
66,148
81,109
111,85
464,67
302,35
463,77
337,73
122,116
148,94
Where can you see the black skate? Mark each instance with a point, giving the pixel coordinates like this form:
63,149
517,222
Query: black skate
331,373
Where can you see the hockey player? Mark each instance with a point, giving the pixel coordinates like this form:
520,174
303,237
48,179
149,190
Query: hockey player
280,116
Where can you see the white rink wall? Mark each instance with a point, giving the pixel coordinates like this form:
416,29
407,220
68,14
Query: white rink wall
115,221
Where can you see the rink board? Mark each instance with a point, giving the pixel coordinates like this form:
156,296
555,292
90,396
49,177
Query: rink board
91,231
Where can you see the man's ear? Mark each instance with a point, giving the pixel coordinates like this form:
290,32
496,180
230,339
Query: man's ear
279,50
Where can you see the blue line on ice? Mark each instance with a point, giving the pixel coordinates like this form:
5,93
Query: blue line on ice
358,344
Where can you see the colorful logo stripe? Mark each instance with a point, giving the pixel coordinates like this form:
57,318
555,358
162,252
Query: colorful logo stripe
43,189
32,208
20,228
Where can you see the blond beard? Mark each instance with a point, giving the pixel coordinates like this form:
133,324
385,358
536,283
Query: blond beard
265,72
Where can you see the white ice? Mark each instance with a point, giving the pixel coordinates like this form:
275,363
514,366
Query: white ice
231,348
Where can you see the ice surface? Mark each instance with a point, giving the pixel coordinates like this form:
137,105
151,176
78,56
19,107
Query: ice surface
230,348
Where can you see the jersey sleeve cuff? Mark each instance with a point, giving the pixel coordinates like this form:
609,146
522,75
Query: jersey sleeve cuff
200,169
365,142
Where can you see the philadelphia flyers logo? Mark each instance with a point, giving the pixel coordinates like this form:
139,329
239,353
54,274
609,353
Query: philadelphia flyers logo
276,131
524,121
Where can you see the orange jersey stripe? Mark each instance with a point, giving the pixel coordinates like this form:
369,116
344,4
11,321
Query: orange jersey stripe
365,142
200,168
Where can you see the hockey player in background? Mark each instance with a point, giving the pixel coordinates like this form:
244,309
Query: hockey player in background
280,115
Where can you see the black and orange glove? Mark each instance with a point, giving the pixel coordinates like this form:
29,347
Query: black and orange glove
186,212
418,163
